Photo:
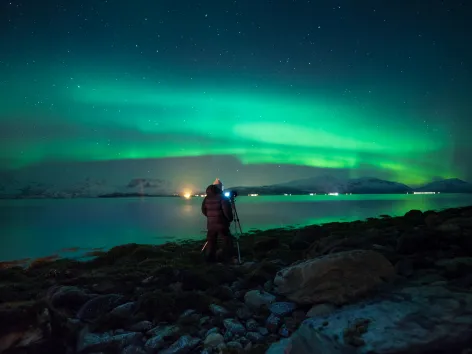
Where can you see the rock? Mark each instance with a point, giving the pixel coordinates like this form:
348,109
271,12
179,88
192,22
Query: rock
125,310
96,342
282,308
159,335
414,217
252,325
273,323
306,236
183,345
456,267
336,278
308,341
67,296
134,349
212,330
255,337
142,326
255,299
219,310
98,306
213,340
263,331
234,345
189,317
321,310
415,319
243,313
234,326
432,220
412,241
404,267
264,244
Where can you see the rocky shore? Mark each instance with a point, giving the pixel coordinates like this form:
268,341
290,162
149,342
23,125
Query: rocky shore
386,285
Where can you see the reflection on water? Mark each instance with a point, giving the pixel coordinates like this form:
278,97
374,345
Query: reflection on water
39,228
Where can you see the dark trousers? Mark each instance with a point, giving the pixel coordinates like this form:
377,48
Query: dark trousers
226,251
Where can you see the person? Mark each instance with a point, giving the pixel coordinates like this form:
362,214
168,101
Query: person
219,214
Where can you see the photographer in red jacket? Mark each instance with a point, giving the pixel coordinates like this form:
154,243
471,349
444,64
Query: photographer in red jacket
219,214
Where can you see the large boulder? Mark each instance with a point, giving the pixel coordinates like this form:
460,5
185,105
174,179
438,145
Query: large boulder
418,320
335,278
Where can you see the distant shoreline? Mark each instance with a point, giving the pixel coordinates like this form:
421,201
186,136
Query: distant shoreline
198,195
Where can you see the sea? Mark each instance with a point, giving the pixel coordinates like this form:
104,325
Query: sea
35,228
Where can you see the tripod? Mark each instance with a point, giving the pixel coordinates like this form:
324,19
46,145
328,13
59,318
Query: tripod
238,231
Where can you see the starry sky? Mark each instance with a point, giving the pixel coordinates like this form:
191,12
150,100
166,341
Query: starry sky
252,92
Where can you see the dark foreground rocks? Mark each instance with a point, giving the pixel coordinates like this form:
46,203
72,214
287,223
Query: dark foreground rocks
388,285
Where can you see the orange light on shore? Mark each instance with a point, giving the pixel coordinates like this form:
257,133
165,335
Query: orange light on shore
187,195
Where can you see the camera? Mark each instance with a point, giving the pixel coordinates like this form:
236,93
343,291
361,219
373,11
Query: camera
231,194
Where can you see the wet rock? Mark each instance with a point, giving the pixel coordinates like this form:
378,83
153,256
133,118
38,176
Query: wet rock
183,345
71,297
234,326
125,310
282,308
212,330
252,325
255,337
134,349
219,310
254,299
160,335
142,326
263,331
243,313
273,323
336,278
96,342
204,320
234,345
189,317
98,306
213,340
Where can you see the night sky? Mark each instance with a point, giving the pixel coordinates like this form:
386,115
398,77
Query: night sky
249,91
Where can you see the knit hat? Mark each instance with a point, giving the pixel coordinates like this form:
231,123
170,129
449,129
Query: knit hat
218,183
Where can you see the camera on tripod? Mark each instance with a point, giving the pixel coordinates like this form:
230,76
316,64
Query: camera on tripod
231,194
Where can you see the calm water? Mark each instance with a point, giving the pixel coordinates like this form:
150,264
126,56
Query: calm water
38,228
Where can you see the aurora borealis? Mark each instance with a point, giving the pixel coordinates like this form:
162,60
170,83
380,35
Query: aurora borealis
252,93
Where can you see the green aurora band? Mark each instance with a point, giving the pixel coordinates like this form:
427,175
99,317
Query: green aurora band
256,125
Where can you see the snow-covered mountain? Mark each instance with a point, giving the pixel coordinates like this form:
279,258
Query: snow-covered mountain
370,185
364,185
319,184
88,188
451,185
148,186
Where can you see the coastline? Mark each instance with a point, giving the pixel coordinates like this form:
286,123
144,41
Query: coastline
165,299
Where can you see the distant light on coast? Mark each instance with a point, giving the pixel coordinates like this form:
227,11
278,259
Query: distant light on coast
187,195
425,192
